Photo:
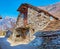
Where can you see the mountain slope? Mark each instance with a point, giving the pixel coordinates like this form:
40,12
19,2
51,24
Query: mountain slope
53,9
7,23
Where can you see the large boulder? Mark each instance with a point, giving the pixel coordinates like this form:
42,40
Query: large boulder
8,33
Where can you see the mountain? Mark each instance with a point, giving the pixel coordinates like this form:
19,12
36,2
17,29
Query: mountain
7,23
53,9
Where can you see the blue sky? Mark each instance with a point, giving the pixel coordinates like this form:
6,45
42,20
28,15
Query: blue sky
9,7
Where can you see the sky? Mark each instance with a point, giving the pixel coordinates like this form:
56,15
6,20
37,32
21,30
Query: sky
9,7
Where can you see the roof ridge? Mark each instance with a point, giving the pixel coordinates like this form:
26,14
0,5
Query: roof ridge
37,9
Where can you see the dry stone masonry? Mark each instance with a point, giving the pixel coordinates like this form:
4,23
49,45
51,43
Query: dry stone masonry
37,20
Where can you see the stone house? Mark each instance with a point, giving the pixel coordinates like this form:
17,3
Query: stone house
33,19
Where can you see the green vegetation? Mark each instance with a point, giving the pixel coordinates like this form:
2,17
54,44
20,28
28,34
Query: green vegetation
2,33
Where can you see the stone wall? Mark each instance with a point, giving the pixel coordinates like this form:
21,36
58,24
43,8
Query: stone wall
20,21
37,21
53,25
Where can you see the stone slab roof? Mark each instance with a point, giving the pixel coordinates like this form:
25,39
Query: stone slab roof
47,33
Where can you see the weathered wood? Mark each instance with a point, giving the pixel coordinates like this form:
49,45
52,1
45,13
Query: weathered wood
23,31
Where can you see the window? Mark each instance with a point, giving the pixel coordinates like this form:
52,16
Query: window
51,18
